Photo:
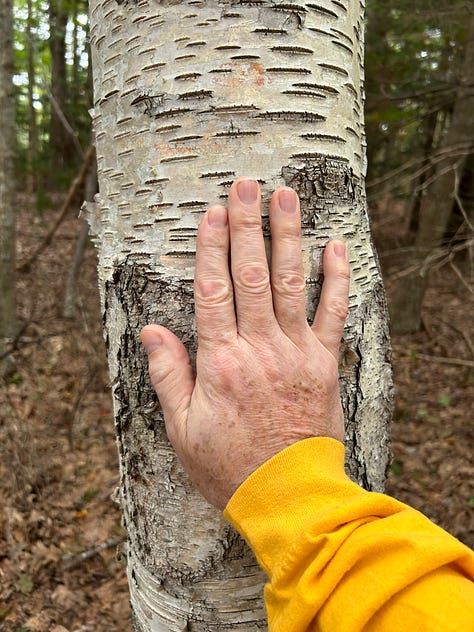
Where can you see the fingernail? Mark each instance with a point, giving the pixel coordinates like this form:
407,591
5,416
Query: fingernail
247,190
151,342
339,249
217,216
287,200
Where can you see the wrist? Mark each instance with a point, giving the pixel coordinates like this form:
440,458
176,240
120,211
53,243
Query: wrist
270,508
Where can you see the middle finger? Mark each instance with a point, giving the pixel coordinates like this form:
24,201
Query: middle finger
250,275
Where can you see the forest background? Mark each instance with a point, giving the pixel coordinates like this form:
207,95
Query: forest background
60,562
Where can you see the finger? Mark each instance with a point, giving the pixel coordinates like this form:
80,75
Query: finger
213,294
250,276
287,277
333,305
171,374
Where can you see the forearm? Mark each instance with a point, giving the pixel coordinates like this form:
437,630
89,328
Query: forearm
343,559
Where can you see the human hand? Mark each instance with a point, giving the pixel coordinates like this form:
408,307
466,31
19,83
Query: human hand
264,378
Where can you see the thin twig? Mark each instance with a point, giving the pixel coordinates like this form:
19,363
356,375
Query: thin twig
442,360
74,188
77,402
459,331
414,95
435,260
65,123
459,201
460,149
44,83
13,346
458,273
72,561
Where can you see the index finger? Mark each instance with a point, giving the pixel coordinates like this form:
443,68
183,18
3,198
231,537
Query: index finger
213,295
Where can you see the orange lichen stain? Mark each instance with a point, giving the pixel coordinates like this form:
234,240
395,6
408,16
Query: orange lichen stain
165,150
258,71
242,73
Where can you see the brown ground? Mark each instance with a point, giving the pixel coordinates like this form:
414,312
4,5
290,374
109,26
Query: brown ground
58,465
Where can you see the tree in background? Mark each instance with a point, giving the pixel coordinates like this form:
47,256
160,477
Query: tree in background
187,96
53,91
7,182
439,197
59,138
32,154
419,65
414,53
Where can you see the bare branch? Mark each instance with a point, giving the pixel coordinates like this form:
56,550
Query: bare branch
74,188
72,561
443,360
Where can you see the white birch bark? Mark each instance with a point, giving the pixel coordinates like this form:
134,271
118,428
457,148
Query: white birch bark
188,95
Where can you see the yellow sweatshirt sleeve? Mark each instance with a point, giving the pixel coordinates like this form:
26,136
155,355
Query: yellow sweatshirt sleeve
341,559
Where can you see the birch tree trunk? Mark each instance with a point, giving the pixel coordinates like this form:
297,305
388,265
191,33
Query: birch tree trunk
7,184
189,95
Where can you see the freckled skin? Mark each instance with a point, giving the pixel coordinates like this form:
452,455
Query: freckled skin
265,379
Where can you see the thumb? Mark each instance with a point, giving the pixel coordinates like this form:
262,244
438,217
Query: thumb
171,374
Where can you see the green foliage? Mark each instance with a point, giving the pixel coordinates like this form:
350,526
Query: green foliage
89,495
43,200
396,467
413,55
4,611
34,20
444,399
25,584
414,52
15,378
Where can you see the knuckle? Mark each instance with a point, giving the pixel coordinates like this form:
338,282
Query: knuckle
289,232
252,277
290,284
212,240
343,274
250,222
222,370
211,292
224,365
338,308
160,372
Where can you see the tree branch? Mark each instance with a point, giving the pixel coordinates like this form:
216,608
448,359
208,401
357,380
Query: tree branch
74,188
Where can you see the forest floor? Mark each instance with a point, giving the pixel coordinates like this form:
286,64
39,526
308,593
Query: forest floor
60,529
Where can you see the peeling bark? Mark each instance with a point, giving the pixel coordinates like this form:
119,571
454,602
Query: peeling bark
188,96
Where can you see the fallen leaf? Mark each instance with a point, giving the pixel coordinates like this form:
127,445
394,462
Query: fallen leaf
25,584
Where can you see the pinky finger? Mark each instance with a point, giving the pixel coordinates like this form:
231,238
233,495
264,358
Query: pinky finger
328,325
